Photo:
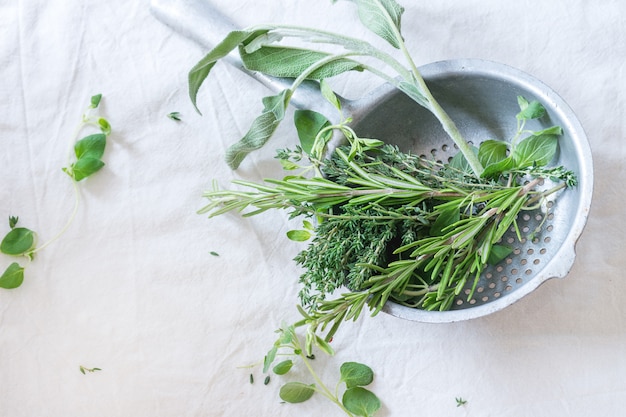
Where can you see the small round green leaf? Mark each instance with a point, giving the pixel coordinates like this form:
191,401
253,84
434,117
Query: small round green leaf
85,167
360,401
356,374
296,392
283,367
12,277
18,241
299,235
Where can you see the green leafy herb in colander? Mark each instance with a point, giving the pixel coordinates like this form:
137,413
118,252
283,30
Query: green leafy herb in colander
390,225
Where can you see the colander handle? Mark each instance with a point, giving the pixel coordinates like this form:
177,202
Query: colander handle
200,21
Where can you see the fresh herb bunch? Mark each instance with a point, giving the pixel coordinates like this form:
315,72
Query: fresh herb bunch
390,225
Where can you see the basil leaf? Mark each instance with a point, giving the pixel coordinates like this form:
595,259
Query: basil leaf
91,146
201,70
12,277
536,150
308,124
360,401
18,241
289,62
261,130
498,168
296,392
85,167
492,151
459,162
532,110
381,17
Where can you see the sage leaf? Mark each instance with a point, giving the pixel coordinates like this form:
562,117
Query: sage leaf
356,374
383,17
492,151
329,94
414,93
12,277
308,125
261,130
535,151
283,367
201,70
18,241
289,62
299,235
84,167
296,392
361,401
91,146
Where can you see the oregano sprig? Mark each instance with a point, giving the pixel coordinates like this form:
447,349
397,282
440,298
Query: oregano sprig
86,160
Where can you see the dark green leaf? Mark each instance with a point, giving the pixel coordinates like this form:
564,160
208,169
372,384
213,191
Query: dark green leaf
498,254
360,401
296,392
261,130
13,221
95,100
283,367
530,110
214,253
85,167
382,17
492,151
12,277
498,168
267,380
535,151
308,124
447,218
201,70
356,374
288,62
299,235
18,241
91,146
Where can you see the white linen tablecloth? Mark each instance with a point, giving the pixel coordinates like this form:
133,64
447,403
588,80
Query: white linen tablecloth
133,289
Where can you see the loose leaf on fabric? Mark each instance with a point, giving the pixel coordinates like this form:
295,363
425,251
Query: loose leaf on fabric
296,392
12,277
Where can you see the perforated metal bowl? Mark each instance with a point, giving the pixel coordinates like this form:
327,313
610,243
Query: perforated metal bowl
481,97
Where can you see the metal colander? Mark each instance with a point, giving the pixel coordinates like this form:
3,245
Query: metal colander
481,97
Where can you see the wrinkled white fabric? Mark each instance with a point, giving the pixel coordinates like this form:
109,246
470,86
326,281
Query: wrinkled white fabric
133,289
